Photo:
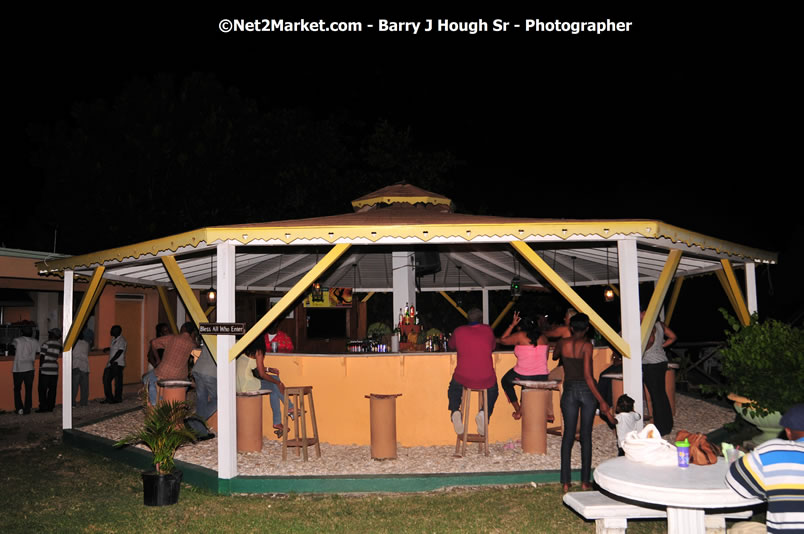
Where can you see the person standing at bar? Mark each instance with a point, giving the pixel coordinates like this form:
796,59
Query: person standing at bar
25,349
654,367
49,370
81,369
580,395
114,368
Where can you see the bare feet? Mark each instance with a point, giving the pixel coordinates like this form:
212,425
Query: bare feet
516,416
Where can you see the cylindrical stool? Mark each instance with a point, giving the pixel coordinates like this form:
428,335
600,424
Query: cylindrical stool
670,385
249,420
172,390
535,397
382,416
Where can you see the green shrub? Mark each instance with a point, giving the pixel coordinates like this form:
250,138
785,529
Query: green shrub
764,362
163,432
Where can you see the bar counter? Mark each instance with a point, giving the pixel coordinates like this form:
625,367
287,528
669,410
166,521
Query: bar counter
342,381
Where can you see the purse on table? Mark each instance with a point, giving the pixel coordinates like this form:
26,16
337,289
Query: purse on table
702,452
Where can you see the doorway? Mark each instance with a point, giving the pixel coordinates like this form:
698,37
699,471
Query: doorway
129,314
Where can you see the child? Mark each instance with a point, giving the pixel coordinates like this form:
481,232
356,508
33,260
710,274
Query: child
627,420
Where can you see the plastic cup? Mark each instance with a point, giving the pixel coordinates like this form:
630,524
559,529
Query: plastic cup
731,455
683,448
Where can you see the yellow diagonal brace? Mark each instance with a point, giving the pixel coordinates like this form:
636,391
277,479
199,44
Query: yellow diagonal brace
671,306
502,314
617,342
659,292
367,297
188,297
209,310
739,300
454,304
721,277
163,298
289,298
96,284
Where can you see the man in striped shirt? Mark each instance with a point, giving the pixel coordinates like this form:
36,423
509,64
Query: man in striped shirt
774,471
49,370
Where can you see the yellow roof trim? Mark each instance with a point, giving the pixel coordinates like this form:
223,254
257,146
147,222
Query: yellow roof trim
520,229
424,199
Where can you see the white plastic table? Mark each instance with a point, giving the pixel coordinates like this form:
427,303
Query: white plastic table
686,492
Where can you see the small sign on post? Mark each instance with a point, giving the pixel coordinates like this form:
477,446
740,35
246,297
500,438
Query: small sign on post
222,329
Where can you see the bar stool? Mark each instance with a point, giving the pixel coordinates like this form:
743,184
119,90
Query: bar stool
172,390
249,420
297,395
382,421
535,396
466,404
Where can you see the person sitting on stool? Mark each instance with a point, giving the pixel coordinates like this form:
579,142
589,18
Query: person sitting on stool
474,343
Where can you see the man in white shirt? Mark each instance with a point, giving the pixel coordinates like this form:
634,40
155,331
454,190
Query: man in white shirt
114,369
81,370
25,350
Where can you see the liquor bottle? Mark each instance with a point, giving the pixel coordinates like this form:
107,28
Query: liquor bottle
401,317
412,312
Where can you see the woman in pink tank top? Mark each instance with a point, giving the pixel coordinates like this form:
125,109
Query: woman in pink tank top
530,349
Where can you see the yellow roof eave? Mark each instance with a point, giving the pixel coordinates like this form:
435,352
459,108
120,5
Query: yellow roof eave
523,229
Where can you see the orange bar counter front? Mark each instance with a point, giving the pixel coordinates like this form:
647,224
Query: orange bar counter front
342,381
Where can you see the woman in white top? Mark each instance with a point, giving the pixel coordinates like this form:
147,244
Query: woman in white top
654,367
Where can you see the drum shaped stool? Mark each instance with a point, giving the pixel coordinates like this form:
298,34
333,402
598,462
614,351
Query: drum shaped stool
172,390
297,395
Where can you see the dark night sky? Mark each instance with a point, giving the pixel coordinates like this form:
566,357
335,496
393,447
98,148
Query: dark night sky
681,119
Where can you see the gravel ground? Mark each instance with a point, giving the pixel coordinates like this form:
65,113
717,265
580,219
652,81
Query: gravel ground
693,415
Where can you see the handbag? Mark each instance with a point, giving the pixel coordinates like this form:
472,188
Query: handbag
702,452
647,446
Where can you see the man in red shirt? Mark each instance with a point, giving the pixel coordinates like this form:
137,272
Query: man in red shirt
173,365
474,343
282,340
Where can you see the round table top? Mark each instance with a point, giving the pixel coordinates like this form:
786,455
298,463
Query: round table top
536,384
696,486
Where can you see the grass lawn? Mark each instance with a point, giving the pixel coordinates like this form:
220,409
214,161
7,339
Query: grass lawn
55,488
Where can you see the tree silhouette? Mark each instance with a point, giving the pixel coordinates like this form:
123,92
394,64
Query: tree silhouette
170,154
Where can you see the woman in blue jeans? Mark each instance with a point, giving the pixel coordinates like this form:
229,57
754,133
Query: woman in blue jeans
580,394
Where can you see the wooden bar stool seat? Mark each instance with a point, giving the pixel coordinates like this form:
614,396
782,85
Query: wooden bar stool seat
301,440
466,437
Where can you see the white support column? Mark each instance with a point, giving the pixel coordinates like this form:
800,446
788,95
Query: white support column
67,357
404,270
751,287
485,306
629,316
227,407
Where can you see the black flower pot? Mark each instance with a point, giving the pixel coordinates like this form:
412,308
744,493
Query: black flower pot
161,490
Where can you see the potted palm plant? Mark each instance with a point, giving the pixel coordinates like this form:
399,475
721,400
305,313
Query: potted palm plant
764,365
163,431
